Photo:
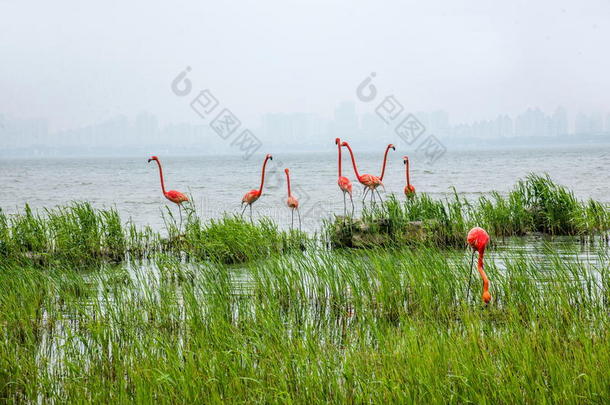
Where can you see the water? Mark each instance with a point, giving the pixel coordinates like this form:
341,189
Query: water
217,183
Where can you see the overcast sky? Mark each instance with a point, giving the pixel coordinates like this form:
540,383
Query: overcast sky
77,63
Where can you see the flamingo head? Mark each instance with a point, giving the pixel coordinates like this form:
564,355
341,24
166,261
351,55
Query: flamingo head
337,141
153,158
268,157
405,159
343,143
486,297
286,171
391,146
478,238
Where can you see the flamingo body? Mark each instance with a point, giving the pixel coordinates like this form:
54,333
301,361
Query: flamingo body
409,190
478,239
251,196
176,196
292,202
370,181
345,185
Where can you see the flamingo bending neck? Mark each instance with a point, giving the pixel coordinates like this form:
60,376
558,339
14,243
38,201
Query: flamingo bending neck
385,159
260,189
407,168
338,142
486,295
288,181
351,153
160,175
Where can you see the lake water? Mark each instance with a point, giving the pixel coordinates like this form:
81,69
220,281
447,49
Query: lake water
217,183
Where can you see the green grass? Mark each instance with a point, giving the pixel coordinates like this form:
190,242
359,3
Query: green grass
535,205
362,326
79,234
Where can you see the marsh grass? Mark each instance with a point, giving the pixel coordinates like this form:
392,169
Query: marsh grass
79,234
535,205
380,326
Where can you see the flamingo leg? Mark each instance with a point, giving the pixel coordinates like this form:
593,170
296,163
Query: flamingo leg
252,222
291,219
352,200
180,211
470,279
244,210
366,190
380,199
344,206
299,214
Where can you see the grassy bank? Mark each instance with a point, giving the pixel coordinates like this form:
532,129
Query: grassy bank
369,326
79,234
535,205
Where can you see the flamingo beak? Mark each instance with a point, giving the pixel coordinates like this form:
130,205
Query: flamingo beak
149,160
393,148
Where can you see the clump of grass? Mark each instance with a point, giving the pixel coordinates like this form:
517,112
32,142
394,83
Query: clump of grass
232,239
80,234
77,233
535,205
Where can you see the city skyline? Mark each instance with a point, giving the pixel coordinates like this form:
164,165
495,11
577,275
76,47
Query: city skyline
300,128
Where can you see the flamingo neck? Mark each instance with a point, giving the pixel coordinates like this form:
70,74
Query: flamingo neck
288,181
339,159
482,272
385,159
161,176
351,153
260,189
408,180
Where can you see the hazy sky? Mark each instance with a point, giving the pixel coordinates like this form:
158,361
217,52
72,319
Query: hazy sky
77,62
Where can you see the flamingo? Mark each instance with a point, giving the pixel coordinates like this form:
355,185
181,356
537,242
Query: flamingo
409,189
292,202
344,184
478,239
369,181
251,196
174,196
385,158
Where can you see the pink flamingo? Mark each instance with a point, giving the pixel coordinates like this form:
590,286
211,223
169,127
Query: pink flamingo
369,181
344,184
251,196
478,239
409,189
292,202
174,196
